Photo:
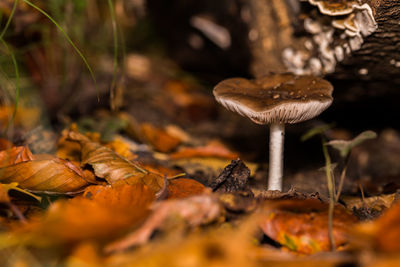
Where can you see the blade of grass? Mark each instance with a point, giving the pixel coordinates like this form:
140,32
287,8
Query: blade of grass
10,122
68,39
115,37
9,19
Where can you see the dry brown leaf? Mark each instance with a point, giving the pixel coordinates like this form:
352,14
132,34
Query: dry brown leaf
109,165
15,155
212,149
302,225
102,213
158,138
194,211
45,174
182,188
71,150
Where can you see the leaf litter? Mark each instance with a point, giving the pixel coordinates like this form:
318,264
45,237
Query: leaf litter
121,211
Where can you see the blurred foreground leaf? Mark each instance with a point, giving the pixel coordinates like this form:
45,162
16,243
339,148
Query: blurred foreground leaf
302,225
100,214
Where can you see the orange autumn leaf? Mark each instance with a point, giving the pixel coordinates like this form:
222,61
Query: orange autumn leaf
15,155
302,225
212,149
382,234
161,170
182,188
194,211
102,213
5,144
158,138
114,168
71,150
45,174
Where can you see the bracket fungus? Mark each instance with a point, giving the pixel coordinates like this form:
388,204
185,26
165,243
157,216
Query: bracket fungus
275,99
338,29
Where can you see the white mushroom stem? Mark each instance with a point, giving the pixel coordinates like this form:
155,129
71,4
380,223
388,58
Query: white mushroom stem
276,139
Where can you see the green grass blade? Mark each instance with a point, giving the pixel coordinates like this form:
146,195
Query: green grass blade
10,122
9,19
68,39
115,37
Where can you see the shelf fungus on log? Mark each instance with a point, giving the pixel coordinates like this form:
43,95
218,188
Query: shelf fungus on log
337,30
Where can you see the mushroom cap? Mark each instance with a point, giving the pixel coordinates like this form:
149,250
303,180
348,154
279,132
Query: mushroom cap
283,98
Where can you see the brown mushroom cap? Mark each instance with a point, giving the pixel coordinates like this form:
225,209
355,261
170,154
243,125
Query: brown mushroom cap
283,98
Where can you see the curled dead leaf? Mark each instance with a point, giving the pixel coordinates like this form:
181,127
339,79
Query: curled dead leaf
114,168
46,174
15,155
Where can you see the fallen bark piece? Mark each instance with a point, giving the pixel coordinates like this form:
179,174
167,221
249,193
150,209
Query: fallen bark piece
233,178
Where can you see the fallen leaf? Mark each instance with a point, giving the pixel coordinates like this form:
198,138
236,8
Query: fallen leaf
238,202
85,254
383,234
102,213
302,225
194,211
377,203
183,188
158,138
71,150
212,149
5,144
112,167
48,174
15,155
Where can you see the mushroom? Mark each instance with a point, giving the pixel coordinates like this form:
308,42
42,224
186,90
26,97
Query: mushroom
335,7
275,99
